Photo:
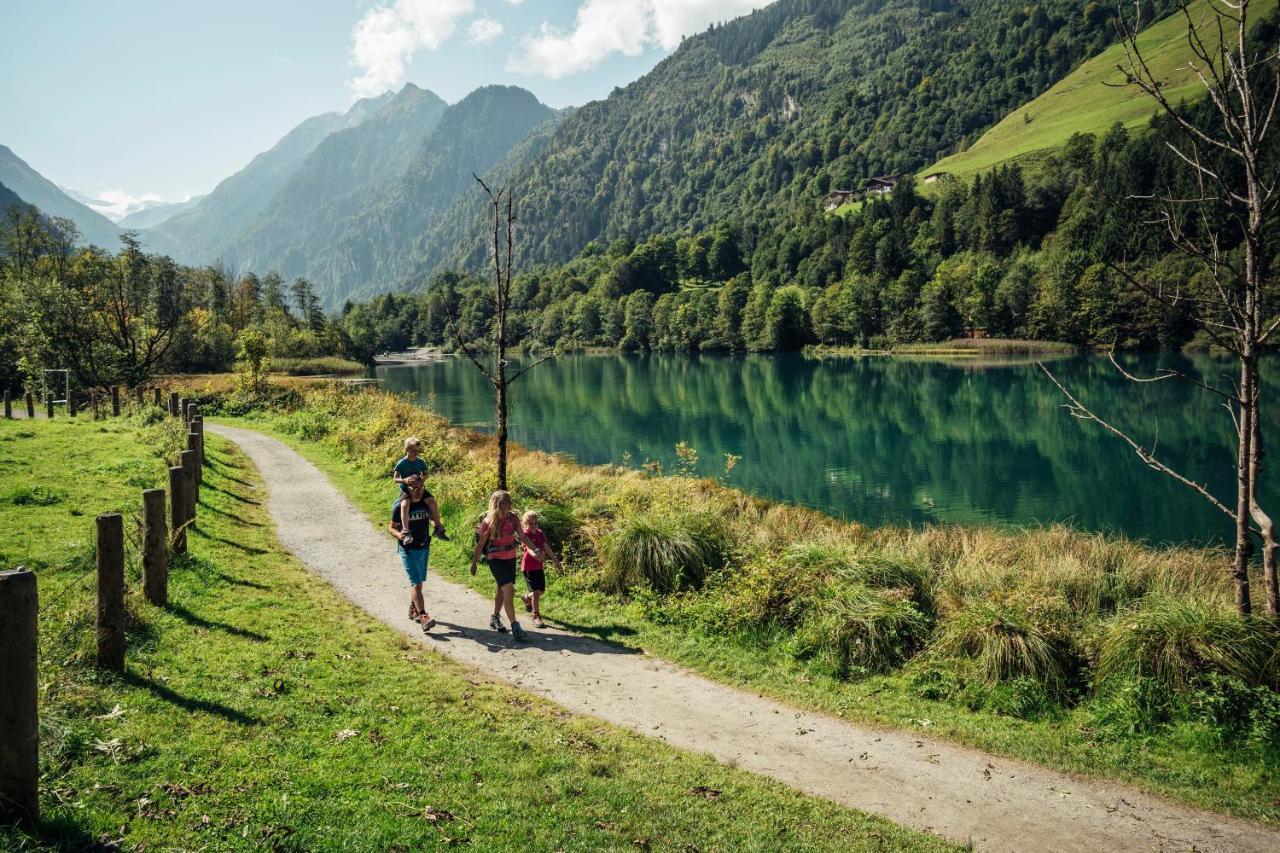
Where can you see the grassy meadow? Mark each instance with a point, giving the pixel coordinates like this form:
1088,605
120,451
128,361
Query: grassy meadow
1092,98
1085,653
260,710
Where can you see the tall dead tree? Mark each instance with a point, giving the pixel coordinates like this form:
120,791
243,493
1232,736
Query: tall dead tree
1219,215
502,209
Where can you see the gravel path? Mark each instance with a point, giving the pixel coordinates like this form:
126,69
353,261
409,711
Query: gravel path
968,796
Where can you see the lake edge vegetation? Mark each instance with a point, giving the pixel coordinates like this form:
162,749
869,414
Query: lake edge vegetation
1079,651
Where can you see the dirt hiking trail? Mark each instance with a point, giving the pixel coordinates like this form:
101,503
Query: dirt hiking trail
965,795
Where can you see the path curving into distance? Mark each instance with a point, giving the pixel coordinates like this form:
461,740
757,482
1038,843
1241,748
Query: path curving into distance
963,794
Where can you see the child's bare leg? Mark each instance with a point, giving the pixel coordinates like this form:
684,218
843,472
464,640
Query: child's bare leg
404,512
537,611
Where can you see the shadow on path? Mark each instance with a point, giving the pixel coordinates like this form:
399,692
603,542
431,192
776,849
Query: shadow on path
542,640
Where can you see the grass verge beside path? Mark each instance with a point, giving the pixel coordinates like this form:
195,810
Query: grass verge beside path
261,710
1189,759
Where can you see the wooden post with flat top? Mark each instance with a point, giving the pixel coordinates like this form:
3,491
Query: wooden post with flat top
48,407
173,403
155,397
115,401
178,508
155,548
73,405
8,405
191,489
19,714
31,406
111,591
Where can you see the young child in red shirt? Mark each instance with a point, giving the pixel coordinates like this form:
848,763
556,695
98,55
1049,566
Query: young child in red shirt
535,575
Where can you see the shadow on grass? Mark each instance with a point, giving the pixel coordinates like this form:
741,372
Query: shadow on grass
543,640
230,494
237,545
205,706
62,832
207,571
200,622
231,515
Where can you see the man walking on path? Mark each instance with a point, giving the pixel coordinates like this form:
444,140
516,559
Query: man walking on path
420,509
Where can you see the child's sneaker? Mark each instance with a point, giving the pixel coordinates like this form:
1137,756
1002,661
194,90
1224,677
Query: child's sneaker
407,540
496,624
517,633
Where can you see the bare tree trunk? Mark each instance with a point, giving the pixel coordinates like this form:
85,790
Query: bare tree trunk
1244,544
1266,527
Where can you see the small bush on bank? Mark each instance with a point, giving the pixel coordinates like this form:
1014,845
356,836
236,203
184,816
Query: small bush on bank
852,629
1174,642
663,552
1005,645
320,366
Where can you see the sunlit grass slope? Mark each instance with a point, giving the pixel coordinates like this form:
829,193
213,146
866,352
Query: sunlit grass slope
1092,99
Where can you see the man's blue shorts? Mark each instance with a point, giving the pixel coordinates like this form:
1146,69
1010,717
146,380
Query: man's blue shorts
415,563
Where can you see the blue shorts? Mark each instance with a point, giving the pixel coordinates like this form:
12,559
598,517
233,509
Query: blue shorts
415,563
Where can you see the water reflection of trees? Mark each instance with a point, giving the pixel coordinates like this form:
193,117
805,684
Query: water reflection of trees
881,440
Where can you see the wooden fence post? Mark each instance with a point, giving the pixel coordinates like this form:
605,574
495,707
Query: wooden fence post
197,426
8,405
48,407
73,405
155,548
173,403
155,397
191,489
137,395
115,401
182,408
178,508
19,715
193,411
31,406
111,591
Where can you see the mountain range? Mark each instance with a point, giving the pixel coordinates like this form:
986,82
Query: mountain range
752,121
33,188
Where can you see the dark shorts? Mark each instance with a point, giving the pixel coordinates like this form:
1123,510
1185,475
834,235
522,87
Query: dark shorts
504,571
537,581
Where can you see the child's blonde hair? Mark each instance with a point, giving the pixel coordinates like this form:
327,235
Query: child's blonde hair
412,441
528,514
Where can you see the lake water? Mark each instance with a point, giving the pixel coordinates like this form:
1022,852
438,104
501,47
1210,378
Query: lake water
882,440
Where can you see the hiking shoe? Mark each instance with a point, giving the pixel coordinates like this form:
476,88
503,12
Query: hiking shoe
517,633
441,535
496,624
527,598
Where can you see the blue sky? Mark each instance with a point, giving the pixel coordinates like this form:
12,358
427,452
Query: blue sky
167,98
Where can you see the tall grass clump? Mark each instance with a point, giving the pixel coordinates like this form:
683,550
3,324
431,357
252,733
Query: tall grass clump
850,629
1005,645
1175,642
664,552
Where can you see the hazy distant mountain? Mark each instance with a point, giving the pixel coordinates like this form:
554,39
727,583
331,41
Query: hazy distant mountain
8,198
359,241
33,188
151,214
336,182
204,232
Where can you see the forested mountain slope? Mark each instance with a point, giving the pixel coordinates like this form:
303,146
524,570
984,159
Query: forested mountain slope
205,232
367,252
757,119
337,180
34,188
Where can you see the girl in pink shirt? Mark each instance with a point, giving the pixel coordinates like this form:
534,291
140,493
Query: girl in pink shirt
531,567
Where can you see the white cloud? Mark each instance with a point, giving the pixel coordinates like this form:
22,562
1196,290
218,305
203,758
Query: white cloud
605,27
483,30
388,35
117,204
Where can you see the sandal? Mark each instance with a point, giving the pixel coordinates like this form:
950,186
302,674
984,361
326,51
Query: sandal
427,623
528,603
538,623
414,612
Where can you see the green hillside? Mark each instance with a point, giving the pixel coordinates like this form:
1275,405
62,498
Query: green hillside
1089,99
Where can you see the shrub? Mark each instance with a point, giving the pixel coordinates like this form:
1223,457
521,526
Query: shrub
37,495
1005,645
852,629
1174,642
319,366
665,552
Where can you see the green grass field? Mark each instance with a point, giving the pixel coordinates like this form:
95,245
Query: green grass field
1184,758
262,711
1088,100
